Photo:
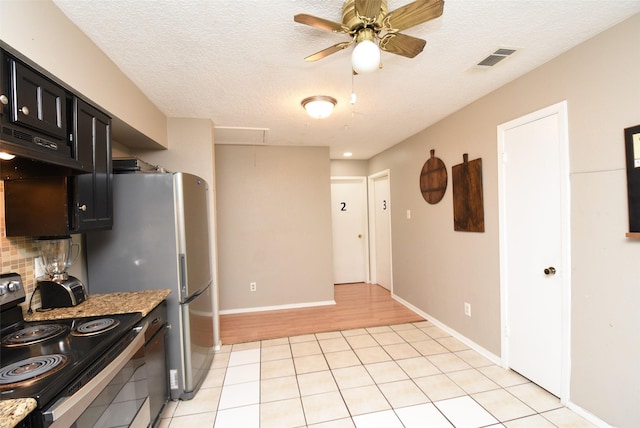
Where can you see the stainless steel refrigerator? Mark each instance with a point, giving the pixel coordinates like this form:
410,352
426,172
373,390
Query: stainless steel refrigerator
160,239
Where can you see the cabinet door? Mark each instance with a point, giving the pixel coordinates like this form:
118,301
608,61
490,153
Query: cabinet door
93,202
37,102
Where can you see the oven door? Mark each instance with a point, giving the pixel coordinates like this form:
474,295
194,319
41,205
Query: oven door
116,396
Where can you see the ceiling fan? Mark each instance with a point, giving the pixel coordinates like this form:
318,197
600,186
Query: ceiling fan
368,21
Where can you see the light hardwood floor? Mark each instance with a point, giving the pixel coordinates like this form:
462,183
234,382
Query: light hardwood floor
357,305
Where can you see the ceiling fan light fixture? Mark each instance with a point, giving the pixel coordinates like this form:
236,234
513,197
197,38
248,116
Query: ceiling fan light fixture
319,106
366,55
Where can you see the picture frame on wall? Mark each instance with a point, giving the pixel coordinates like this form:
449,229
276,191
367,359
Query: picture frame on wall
632,152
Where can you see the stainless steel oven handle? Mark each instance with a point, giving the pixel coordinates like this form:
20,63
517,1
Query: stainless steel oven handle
67,410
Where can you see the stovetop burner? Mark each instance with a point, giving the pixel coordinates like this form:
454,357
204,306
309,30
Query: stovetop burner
95,327
53,359
32,369
33,334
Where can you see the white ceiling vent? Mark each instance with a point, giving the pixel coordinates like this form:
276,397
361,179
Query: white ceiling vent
240,135
496,57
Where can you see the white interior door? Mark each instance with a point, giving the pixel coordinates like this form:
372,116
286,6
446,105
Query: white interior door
534,245
349,216
380,224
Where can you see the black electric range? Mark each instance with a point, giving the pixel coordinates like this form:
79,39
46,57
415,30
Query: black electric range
51,360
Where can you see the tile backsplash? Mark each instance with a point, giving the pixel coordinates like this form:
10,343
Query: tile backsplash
17,254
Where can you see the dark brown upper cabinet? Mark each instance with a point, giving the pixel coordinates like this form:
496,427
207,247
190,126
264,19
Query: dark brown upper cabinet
59,183
93,201
38,103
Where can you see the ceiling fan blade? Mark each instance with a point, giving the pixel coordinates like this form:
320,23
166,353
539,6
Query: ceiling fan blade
368,8
414,13
401,44
328,51
314,21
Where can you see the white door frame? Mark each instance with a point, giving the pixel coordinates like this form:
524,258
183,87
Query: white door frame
372,229
559,109
365,220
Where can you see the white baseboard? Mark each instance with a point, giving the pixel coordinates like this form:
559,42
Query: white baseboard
470,343
587,415
277,307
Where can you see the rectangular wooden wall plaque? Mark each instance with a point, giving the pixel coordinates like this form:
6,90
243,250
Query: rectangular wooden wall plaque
468,205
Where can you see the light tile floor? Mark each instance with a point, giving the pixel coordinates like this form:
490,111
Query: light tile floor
406,375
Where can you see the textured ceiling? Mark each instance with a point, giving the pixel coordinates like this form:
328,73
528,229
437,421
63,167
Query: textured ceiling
241,63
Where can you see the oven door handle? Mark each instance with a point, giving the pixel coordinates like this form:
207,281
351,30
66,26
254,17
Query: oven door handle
67,410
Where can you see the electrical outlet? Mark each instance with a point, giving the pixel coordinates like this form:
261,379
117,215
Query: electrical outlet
253,286
467,309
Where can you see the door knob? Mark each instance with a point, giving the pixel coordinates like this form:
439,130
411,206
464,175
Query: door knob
550,271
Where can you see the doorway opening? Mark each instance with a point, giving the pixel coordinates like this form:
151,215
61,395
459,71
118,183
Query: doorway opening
361,215
350,230
380,229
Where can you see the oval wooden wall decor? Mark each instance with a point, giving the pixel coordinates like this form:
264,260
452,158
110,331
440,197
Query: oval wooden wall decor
433,179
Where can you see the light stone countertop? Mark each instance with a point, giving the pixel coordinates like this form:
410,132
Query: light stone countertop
14,411
106,304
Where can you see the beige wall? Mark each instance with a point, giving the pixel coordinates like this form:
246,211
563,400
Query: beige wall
349,168
190,149
41,32
274,224
437,269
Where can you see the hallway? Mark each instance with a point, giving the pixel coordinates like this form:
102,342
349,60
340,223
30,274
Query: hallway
357,305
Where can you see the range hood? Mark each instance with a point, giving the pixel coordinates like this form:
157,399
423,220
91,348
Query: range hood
36,120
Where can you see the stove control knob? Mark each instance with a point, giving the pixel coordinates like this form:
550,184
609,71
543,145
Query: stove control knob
13,286
3,289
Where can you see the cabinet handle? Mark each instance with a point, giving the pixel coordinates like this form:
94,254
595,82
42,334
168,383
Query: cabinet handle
25,110
4,100
82,207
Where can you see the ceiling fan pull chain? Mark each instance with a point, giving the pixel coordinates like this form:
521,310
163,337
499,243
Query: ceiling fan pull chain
352,99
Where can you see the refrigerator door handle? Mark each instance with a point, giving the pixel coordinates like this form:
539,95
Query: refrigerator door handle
195,295
183,275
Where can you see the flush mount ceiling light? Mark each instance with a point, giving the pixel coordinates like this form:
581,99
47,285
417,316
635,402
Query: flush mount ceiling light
319,106
366,55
